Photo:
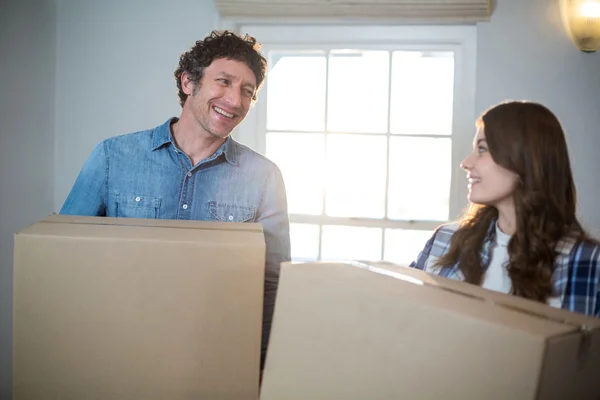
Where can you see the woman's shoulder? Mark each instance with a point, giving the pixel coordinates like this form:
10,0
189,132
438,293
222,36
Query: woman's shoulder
439,243
447,229
577,241
578,250
437,246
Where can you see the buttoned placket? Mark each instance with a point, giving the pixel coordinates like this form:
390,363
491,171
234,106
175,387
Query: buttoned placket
184,209
186,197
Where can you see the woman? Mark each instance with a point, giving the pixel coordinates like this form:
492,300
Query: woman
520,235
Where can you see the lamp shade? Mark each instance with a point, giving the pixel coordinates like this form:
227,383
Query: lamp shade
582,21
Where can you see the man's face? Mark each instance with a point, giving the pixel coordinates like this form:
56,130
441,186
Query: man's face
221,100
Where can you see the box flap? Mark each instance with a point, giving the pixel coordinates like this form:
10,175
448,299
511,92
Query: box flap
163,223
80,228
576,321
142,222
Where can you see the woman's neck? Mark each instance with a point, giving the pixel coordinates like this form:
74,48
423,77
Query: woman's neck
507,218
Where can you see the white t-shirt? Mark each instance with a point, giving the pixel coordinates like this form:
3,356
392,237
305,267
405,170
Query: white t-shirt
496,276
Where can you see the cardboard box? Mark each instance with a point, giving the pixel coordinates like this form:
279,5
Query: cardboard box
108,308
379,331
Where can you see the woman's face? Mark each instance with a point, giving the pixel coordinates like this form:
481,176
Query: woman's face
489,183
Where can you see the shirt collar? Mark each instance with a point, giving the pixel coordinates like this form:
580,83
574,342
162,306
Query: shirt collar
502,238
231,149
162,135
563,246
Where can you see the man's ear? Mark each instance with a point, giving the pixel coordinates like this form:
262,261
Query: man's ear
186,84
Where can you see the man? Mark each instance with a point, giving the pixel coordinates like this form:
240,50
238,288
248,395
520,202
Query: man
189,167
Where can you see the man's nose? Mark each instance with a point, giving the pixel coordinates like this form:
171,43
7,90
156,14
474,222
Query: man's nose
234,97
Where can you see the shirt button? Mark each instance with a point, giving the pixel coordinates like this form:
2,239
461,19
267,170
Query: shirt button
185,206
189,174
138,198
230,217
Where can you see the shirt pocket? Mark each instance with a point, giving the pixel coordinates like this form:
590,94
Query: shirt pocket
137,206
228,212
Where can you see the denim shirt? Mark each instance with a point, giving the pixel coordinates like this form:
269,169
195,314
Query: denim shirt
144,175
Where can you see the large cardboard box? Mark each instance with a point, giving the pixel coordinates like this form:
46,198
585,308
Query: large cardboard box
137,309
379,331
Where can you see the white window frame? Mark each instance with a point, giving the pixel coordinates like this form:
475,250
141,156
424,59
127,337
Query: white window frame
461,39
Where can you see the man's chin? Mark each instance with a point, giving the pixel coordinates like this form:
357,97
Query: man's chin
222,132
220,135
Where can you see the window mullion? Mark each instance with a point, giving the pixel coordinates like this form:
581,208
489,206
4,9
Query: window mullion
323,211
387,153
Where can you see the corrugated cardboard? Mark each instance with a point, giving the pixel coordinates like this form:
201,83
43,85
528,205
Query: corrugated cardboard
130,309
379,331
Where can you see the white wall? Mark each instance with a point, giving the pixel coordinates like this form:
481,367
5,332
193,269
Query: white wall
115,64
524,53
27,67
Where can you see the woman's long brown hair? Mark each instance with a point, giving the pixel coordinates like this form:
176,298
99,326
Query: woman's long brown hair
525,138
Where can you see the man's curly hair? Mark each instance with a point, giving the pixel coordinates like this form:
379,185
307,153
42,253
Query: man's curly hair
217,45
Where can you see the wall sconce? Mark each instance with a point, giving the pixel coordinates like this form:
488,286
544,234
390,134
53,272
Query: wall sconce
582,21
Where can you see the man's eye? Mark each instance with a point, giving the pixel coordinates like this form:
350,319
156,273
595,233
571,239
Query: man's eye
223,81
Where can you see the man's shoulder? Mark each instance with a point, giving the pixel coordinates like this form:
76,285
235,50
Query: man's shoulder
146,139
251,158
139,139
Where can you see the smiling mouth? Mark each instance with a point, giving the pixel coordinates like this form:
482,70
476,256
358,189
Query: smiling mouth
223,112
473,182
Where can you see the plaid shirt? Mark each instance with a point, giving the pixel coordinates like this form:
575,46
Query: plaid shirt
576,267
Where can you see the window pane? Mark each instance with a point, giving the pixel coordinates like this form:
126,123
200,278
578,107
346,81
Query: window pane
296,91
402,246
355,173
420,173
305,242
351,243
300,158
358,91
422,92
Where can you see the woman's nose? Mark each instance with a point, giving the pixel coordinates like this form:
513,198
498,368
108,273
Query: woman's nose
467,163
